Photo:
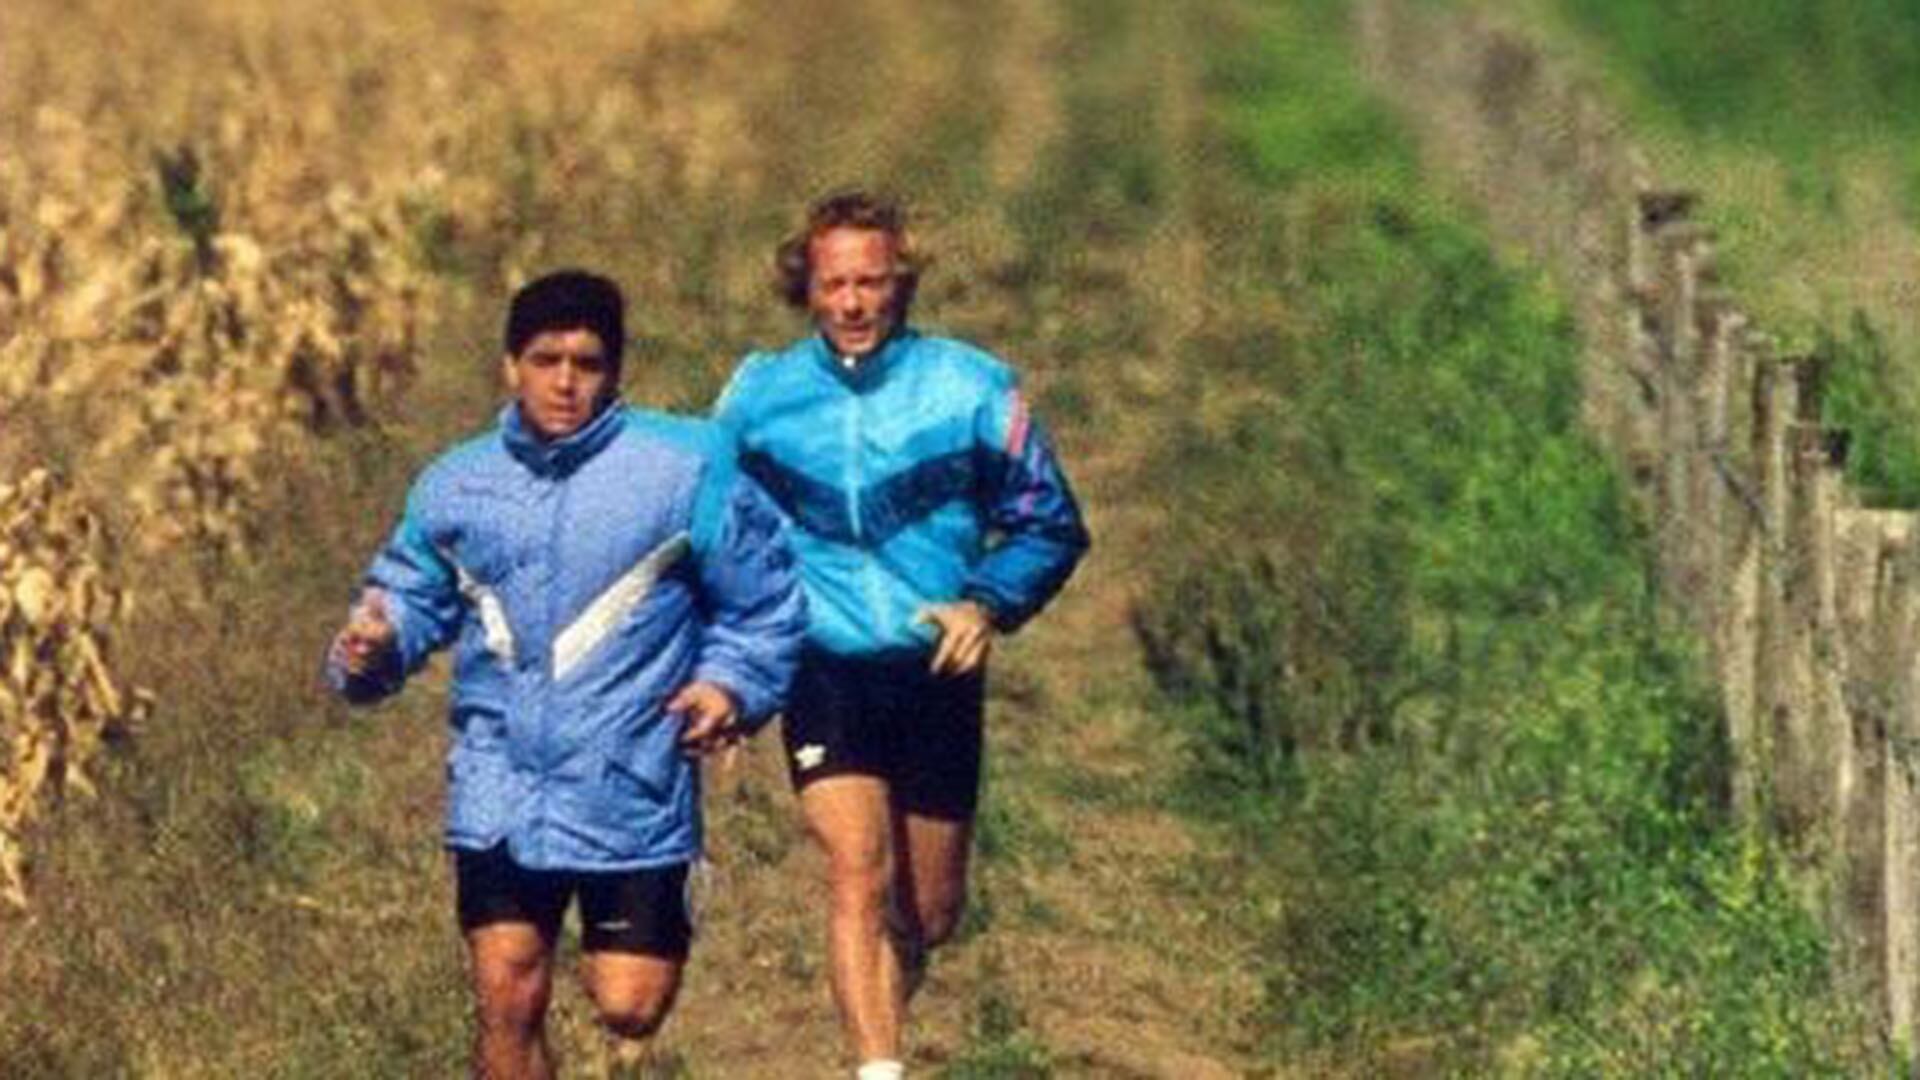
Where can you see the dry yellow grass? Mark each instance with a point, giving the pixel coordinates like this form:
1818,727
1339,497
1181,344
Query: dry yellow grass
215,246
59,696
433,155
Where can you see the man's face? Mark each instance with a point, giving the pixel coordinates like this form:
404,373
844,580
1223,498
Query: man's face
852,291
562,378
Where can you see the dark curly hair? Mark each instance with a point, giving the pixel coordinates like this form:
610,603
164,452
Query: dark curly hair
854,208
567,300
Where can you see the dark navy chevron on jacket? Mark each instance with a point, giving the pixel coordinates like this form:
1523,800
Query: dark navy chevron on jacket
916,476
581,583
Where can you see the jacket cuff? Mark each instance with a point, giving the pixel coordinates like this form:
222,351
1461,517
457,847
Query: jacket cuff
1005,617
753,708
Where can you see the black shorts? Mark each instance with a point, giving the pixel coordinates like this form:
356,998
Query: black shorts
893,719
627,911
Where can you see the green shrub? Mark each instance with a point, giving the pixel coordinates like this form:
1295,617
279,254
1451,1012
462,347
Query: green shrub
1865,395
1000,1047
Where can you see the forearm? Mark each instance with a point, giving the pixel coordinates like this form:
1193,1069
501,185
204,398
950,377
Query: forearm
1020,576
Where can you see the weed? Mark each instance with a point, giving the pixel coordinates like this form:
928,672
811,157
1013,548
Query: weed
1014,832
189,200
1000,1046
1865,395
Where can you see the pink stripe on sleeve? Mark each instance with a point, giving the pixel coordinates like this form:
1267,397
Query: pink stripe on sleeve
1017,426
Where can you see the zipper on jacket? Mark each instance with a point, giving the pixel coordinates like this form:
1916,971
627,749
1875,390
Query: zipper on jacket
854,471
871,586
556,487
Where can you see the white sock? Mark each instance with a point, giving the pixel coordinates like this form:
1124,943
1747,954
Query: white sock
881,1069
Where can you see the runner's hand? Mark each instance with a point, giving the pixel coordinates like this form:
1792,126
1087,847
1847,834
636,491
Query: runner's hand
709,717
367,639
966,636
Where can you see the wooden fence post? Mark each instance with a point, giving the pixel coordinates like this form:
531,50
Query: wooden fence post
1676,347
1775,407
1748,364
1898,590
1876,608
1814,759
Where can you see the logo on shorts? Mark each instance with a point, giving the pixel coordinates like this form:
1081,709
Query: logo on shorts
810,756
613,926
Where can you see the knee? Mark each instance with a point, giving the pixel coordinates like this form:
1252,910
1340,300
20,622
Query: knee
635,1016
860,884
632,1001
940,920
511,997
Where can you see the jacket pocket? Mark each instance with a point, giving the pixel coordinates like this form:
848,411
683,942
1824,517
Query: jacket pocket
638,803
477,790
641,779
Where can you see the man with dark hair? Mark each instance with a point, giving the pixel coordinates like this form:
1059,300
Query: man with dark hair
620,601
931,515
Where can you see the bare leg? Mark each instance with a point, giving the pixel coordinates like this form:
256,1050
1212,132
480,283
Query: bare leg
512,972
851,818
633,993
931,876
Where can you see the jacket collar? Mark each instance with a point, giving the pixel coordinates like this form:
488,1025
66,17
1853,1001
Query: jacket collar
559,456
870,370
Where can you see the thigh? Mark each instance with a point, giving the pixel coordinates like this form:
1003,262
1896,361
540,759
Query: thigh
851,817
636,913
510,918
829,727
933,854
492,889
935,773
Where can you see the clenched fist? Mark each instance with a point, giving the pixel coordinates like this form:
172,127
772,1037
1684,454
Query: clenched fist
709,717
368,638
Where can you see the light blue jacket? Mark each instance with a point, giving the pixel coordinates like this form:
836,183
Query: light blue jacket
916,476
581,583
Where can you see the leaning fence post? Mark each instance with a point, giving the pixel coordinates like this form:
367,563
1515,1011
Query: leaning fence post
1749,366
1717,473
1876,605
1775,406
1900,588
1815,755
1676,347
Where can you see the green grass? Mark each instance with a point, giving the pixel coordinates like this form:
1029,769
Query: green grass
1867,393
1773,71
1427,677
1000,1046
1818,95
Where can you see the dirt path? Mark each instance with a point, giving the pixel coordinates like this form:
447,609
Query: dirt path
1045,145
1089,950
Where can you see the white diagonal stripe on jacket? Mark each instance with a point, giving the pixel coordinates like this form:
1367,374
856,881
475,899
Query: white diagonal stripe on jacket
619,599
493,617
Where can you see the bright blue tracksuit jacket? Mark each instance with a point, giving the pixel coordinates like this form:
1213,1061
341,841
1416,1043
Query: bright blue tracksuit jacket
916,476
581,582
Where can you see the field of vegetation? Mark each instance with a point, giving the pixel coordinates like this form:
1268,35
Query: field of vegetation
1359,747
1796,121
1481,794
